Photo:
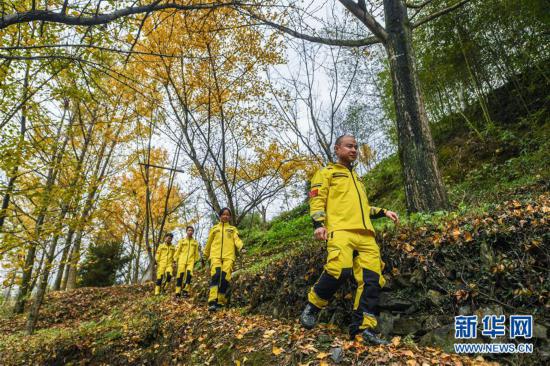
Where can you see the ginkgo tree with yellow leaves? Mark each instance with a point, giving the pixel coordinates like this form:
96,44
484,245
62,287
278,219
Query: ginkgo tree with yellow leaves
218,103
161,202
81,133
68,125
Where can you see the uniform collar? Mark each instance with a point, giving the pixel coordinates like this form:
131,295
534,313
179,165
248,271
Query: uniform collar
341,166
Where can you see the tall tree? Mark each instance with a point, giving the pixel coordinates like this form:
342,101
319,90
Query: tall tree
424,187
42,211
218,98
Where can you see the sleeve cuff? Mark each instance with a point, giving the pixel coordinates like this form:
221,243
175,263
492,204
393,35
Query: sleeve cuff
380,214
317,224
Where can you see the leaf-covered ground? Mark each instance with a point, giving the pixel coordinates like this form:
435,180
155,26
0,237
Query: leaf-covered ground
479,260
160,330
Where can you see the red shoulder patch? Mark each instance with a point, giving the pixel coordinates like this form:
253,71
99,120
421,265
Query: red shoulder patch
313,193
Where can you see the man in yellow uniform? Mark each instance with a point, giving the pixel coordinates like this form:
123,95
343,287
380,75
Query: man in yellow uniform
341,216
221,247
187,254
164,259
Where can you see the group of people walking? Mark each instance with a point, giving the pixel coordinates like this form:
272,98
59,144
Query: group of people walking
221,248
341,215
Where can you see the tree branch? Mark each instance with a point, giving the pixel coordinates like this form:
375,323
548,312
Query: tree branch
367,19
417,6
439,13
97,19
100,48
327,41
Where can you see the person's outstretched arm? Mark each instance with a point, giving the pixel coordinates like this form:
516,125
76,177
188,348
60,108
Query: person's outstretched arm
237,240
377,212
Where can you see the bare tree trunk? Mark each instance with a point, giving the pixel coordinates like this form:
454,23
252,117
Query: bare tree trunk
102,163
25,280
189,148
165,212
61,276
49,256
44,275
34,279
22,131
263,210
7,293
135,278
39,296
66,273
44,203
74,183
424,187
75,258
62,262
131,263
86,212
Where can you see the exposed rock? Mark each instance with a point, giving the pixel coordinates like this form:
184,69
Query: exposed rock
489,310
390,283
544,353
431,322
408,325
324,339
540,331
401,282
418,276
337,354
442,337
389,301
435,297
338,316
465,310
385,323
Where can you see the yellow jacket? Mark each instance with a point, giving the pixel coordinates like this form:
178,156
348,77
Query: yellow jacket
165,255
187,251
338,200
223,239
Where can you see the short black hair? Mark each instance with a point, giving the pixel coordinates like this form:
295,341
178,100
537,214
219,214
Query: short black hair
223,210
339,138
169,234
189,227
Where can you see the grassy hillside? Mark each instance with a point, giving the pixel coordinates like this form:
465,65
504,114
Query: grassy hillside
483,162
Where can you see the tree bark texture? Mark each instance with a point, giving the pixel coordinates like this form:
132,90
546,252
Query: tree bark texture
424,189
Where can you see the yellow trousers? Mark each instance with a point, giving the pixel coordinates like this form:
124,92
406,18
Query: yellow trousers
163,272
185,274
352,252
220,275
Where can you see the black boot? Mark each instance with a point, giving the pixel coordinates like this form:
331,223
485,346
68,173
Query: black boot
308,318
372,339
